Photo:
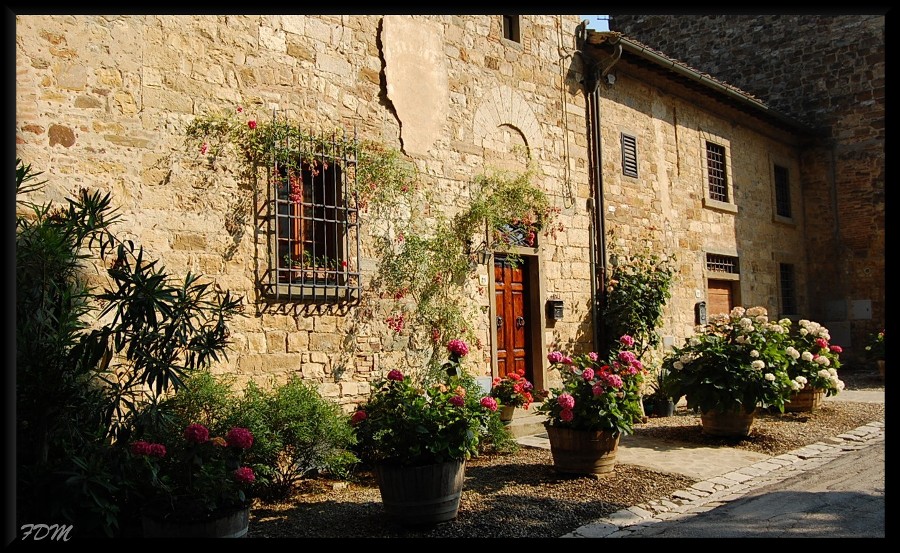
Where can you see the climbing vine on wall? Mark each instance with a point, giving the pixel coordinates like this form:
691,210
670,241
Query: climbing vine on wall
422,263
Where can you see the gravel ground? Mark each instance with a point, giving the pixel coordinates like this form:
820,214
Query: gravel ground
519,495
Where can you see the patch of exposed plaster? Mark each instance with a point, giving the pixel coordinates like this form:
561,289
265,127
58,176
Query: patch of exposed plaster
416,74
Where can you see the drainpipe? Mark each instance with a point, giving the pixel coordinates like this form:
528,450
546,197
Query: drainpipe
593,73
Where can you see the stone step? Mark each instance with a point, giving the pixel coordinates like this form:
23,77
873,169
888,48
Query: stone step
527,422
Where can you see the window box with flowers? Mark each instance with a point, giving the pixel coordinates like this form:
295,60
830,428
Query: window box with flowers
734,364
512,391
196,485
812,365
417,436
598,402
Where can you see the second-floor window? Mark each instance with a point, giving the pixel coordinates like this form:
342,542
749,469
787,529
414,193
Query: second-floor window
717,175
782,191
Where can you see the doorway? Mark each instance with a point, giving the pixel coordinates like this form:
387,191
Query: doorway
514,315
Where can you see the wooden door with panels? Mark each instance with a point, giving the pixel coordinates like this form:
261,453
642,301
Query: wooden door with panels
511,308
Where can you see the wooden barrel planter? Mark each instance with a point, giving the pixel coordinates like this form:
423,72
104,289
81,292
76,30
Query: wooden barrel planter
426,495
804,401
583,451
727,424
233,524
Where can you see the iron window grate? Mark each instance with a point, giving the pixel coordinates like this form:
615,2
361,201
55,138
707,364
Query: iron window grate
715,166
782,192
788,288
721,264
311,218
629,156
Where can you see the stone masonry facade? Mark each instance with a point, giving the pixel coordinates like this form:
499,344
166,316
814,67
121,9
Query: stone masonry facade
828,70
102,102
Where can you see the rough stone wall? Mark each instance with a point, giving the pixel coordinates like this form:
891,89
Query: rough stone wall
663,207
830,72
103,101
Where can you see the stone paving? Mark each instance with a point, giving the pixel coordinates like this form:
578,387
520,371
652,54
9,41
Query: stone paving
725,473
714,492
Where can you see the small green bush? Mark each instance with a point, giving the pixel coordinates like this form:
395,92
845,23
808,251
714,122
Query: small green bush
298,433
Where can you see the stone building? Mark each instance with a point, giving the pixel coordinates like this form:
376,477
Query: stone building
829,71
104,102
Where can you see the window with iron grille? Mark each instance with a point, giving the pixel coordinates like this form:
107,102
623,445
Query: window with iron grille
511,28
782,192
721,263
788,288
629,156
717,176
311,220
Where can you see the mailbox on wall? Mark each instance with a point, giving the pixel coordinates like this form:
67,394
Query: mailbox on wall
700,312
555,310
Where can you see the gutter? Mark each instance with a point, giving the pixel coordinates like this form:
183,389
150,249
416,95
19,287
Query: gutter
618,41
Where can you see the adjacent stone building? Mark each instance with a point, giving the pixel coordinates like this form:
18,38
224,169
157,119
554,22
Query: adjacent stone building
629,145
829,71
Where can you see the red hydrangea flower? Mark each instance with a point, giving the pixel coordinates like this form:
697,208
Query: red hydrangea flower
395,375
458,347
196,433
458,401
555,357
239,437
157,450
358,417
140,447
244,475
489,403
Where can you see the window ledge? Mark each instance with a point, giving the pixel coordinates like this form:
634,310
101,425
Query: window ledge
720,206
785,220
717,275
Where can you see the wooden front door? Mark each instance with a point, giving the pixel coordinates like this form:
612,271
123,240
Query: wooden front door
721,297
512,316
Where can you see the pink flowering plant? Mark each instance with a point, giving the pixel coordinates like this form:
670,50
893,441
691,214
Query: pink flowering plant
195,475
596,394
736,362
416,422
812,359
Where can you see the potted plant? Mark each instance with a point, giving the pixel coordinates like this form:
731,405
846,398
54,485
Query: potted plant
812,365
875,350
599,400
194,484
417,436
660,401
511,391
734,364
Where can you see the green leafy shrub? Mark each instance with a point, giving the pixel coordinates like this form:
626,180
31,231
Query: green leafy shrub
88,360
299,433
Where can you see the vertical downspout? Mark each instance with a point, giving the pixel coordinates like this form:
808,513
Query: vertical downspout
598,263
597,245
